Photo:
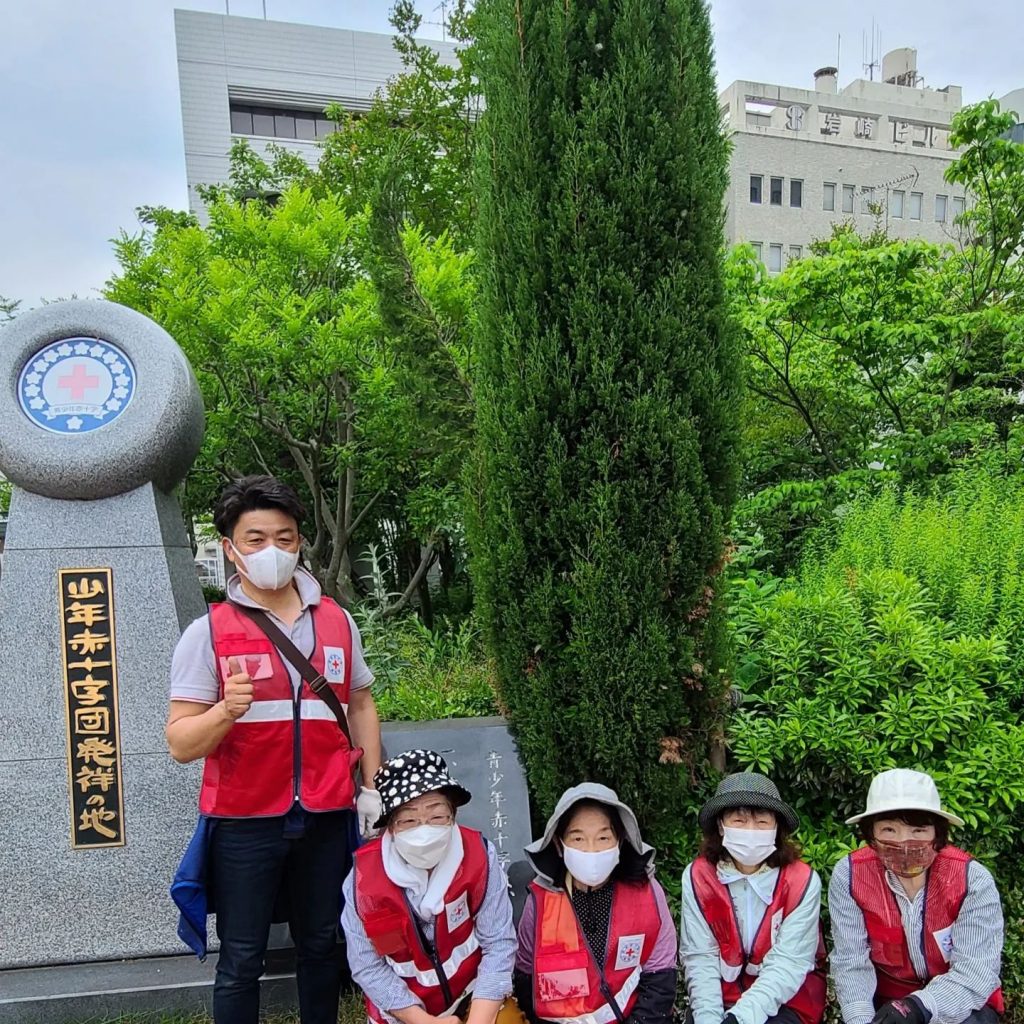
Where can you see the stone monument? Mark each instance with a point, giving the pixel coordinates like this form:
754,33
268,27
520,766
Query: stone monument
100,418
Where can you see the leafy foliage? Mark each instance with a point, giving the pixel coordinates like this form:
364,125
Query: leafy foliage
605,392
873,359
429,674
897,644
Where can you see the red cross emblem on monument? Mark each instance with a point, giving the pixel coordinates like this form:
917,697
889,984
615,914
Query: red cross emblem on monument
78,382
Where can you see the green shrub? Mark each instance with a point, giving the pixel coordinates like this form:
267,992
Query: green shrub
899,643
606,389
423,675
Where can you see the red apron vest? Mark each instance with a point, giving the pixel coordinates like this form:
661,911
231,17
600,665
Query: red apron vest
945,891
738,970
282,748
441,976
567,982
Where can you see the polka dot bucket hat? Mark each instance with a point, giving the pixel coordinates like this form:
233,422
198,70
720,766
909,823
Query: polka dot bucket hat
412,774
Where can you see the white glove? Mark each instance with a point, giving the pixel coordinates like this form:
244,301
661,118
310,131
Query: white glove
368,807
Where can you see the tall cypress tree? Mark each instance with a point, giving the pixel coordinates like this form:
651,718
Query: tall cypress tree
607,390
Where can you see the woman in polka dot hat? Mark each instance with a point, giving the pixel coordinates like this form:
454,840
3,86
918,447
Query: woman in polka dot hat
427,912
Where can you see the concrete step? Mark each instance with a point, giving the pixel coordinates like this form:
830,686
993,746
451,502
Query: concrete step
80,993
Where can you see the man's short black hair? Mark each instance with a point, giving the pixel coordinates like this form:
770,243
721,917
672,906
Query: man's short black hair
253,492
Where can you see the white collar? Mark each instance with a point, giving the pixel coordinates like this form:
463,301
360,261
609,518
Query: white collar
761,881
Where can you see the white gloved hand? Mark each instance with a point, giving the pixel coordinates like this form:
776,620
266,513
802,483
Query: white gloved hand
368,807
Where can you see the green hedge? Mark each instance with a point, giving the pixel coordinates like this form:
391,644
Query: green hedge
898,643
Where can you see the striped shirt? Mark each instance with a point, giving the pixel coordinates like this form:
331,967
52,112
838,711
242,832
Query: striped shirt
494,929
977,945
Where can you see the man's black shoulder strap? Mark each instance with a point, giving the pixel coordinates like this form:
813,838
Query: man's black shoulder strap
317,683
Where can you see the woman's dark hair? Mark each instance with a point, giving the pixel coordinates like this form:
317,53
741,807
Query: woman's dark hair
632,866
915,819
253,492
786,851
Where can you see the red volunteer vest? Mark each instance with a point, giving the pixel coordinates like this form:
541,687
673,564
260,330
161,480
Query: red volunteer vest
945,891
441,976
567,982
739,971
282,748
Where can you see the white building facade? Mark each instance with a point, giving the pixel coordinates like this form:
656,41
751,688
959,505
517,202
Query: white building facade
270,81
804,160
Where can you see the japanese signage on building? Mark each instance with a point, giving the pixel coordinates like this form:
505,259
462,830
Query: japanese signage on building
90,694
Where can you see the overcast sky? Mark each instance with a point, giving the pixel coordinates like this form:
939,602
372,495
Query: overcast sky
93,126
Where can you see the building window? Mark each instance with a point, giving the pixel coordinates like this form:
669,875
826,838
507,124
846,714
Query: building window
795,252
796,193
241,121
867,198
757,249
916,203
828,195
848,194
280,122
940,209
756,182
958,205
896,203
774,258
776,193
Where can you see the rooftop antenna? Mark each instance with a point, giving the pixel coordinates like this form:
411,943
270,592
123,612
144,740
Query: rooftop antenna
443,8
839,50
872,55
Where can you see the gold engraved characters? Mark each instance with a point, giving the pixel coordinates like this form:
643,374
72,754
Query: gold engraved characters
90,680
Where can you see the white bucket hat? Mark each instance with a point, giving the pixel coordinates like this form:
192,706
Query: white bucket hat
901,789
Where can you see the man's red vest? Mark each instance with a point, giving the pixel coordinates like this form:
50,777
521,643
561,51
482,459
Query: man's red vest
284,747
567,982
945,891
738,969
439,974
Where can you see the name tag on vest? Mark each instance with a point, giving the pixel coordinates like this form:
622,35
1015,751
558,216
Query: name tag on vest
334,664
944,940
256,666
627,954
457,912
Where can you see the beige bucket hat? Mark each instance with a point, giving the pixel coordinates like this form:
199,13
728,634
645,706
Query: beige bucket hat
901,789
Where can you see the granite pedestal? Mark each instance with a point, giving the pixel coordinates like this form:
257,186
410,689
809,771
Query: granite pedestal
101,418
61,904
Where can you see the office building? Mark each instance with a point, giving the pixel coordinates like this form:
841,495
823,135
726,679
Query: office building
874,152
269,82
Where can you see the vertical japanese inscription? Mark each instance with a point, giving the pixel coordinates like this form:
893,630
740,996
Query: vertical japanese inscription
90,696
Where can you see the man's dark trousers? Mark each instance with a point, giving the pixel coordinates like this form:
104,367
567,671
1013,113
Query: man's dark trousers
251,860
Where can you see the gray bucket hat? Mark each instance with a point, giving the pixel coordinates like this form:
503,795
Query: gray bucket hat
540,851
746,789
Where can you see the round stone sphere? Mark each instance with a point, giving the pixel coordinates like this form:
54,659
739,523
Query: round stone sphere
95,400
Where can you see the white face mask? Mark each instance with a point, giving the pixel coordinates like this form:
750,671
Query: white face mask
270,568
749,846
591,868
423,846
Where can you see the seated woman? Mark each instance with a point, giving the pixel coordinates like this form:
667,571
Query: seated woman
596,940
751,942
427,913
917,926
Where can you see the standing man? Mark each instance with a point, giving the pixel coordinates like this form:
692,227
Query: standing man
278,773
